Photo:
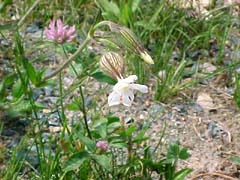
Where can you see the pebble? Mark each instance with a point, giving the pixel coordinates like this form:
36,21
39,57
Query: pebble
4,43
36,93
180,108
195,55
52,99
175,56
208,67
53,122
213,130
196,108
54,129
13,143
8,132
48,90
32,29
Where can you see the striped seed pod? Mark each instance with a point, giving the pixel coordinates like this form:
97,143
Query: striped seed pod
124,37
112,64
129,39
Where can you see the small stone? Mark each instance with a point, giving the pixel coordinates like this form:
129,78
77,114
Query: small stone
53,99
54,129
37,93
213,130
205,101
195,55
196,108
175,56
208,67
180,108
48,90
32,29
46,111
8,132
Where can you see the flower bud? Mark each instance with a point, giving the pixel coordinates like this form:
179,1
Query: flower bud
129,39
102,145
146,57
112,64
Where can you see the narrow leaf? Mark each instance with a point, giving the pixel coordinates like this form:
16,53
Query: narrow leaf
180,175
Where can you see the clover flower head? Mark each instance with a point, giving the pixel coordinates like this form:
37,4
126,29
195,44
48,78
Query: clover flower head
123,91
59,33
102,145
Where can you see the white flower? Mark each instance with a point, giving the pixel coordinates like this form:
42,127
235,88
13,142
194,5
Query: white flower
123,91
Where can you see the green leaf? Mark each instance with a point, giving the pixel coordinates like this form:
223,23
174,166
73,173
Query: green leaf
101,77
108,7
6,81
84,170
130,130
75,161
77,67
72,106
118,145
31,72
173,151
180,175
113,126
49,82
112,119
235,160
22,106
9,26
103,161
87,142
183,154
4,4
135,4
17,90
117,141
100,126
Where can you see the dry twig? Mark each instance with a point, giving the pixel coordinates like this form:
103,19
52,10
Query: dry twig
214,174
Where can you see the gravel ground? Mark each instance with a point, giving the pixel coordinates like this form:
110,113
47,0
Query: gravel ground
210,132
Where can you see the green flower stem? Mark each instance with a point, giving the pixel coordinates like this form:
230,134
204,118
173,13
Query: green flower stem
84,112
69,60
102,23
130,153
83,108
63,117
20,22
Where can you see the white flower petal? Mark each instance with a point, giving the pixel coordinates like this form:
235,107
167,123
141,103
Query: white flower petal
130,79
114,99
127,98
139,87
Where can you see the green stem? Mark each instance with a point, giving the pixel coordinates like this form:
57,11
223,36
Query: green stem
84,112
83,108
69,60
20,22
63,117
130,153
